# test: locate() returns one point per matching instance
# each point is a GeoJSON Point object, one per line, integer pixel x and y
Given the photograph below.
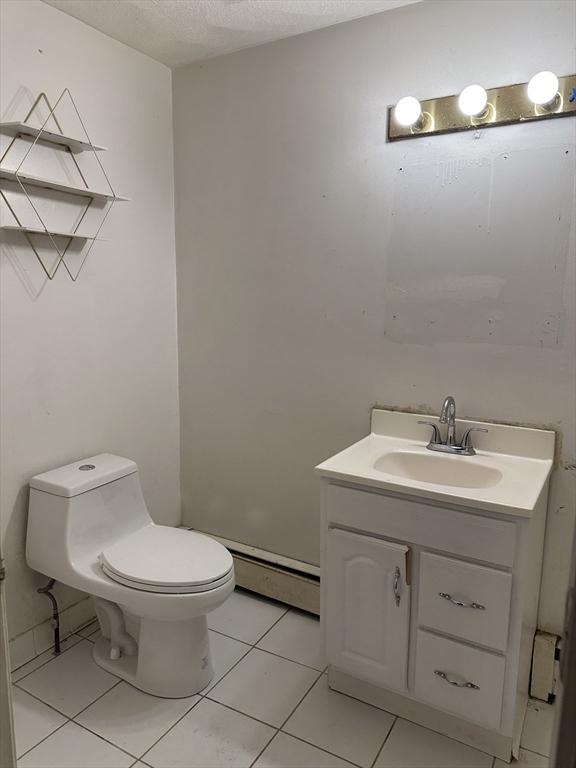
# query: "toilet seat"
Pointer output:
{"type": "Point", "coordinates": [158, 558]}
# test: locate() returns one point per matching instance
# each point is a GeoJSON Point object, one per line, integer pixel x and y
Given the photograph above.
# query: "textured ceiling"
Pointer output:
{"type": "Point", "coordinates": [177, 32]}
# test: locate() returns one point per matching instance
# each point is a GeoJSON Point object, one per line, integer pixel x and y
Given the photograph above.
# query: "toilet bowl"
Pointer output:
{"type": "Point", "coordinates": [153, 585]}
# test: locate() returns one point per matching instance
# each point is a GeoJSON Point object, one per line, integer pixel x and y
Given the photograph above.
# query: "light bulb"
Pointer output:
{"type": "Point", "coordinates": [472, 101]}
{"type": "Point", "coordinates": [407, 111]}
{"type": "Point", "coordinates": [542, 88]}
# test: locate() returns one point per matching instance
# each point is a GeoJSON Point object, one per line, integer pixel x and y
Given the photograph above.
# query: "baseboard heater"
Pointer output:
{"type": "Point", "coordinates": [290, 581]}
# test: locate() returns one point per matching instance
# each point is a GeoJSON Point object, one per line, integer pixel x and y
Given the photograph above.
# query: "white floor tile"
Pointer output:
{"type": "Point", "coordinates": [245, 617]}
{"type": "Point", "coordinates": [33, 721]}
{"type": "Point", "coordinates": [210, 736]}
{"type": "Point", "coordinates": [71, 747]}
{"type": "Point", "coordinates": [525, 760]}
{"type": "Point", "coordinates": [133, 720]}
{"type": "Point", "coordinates": [70, 682]}
{"type": "Point", "coordinates": [339, 724]}
{"type": "Point", "coordinates": [225, 653]}
{"type": "Point", "coordinates": [287, 752]}
{"type": "Point", "coordinates": [264, 686]}
{"type": "Point", "coordinates": [538, 724]}
{"type": "Point", "coordinates": [297, 637]}
{"type": "Point", "coordinates": [39, 661]}
{"type": "Point", "coordinates": [411, 746]}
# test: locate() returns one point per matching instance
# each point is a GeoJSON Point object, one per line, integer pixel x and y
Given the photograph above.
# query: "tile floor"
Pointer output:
{"type": "Point", "coordinates": [268, 706]}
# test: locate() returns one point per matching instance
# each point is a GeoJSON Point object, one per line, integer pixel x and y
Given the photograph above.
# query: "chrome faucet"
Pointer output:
{"type": "Point", "coordinates": [448, 416]}
{"type": "Point", "coordinates": [450, 444]}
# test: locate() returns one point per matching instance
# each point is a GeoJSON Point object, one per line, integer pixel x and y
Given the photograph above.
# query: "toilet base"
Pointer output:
{"type": "Point", "coordinates": [173, 659]}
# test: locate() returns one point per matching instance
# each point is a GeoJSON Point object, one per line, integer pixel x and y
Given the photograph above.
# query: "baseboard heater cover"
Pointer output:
{"type": "Point", "coordinates": [289, 581]}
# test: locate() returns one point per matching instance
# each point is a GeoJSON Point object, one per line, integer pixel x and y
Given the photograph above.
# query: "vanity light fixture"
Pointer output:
{"type": "Point", "coordinates": [546, 97]}
{"type": "Point", "coordinates": [408, 111]}
{"type": "Point", "coordinates": [473, 101]}
{"type": "Point", "coordinates": [543, 89]}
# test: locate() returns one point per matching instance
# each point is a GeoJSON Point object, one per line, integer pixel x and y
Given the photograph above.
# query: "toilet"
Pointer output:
{"type": "Point", "coordinates": [153, 585]}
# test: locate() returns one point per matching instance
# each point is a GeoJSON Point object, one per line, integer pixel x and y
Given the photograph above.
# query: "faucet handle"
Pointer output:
{"type": "Point", "coordinates": [465, 442]}
{"type": "Point", "coordinates": [436, 438]}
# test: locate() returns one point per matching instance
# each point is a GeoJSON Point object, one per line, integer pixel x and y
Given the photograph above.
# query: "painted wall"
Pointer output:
{"type": "Point", "coordinates": [322, 270]}
{"type": "Point", "coordinates": [89, 366]}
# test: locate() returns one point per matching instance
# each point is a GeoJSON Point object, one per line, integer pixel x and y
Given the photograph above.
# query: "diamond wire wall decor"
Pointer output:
{"type": "Point", "coordinates": [73, 146]}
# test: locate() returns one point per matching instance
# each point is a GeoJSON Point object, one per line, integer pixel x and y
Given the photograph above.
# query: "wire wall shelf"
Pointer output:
{"type": "Point", "coordinates": [73, 146]}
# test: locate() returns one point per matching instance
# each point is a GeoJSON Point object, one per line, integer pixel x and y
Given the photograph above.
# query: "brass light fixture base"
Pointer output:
{"type": "Point", "coordinates": [506, 106]}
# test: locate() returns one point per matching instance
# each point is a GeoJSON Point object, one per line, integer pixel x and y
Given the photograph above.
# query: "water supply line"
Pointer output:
{"type": "Point", "coordinates": [55, 615]}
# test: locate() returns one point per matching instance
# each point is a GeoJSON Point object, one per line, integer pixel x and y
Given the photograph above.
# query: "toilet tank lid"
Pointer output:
{"type": "Point", "coordinates": [84, 475]}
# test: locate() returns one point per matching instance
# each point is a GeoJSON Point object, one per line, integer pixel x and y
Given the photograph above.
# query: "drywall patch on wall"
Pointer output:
{"type": "Point", "coordinates": [284, 185]}
{"type": "Point", "coordinates": [470, 240]}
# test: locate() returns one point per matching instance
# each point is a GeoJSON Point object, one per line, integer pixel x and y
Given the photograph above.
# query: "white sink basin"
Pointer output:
{"type": "Point", "coordinates": [507, 474]}
{"type": "Point", "coordinates": [439, 469]}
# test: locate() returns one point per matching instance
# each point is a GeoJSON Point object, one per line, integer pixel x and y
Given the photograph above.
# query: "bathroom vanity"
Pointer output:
{"type": "Point", "coordinates": [431, 575]}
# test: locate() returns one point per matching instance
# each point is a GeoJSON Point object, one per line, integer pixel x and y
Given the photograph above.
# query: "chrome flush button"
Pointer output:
{"type": "Point", "coordinates": [86, 467]}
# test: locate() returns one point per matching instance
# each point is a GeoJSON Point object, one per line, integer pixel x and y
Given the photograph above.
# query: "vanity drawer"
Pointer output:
{"type": "Point", "coordinates": [463, 533]}
{"type": "Point", "coordinates": [466, 600]}
{"type": "Point", "coordinates": [460, 664]}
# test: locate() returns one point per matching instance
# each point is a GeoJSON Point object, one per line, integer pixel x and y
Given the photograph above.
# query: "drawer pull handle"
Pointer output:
{"type": "Point", "coordinates": [458, 683]}
{"type": "Point", "coordinates": [460, 604]}
{"type": "Point", "coordinates": [396, 586]}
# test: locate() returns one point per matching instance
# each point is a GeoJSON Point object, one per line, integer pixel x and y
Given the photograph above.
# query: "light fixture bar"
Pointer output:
{"type": "Point", "coordinates": [507, 105]}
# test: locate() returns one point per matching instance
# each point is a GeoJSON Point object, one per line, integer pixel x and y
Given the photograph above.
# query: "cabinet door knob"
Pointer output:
{"type": "Point", "coordinates": [460, 603]}
{"type": "Point", "coordinates": [396, 586]}
{"type": "Point", "coordinates": [453, 681]}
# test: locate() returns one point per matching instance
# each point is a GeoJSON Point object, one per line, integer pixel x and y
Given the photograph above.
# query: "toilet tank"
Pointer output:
{"type": "Point", "coordinates": [77, 510]}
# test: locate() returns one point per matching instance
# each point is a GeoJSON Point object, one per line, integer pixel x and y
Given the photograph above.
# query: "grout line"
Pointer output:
{"type": "Point", "coordinates": [200, 698]}
{"type": "Point", "coordinates": [322, 749]}
{"type": "Point", "coordinates": [86, 728]}
{"type": "Point", "coordinates": [419, 725]}
{"type": "Point", "coordinates": [230, 637]}
{"type": "Point", "coordinates": [279, 656]}
{"type": "Point", "coordinates": [63, 714]}
{"type": "Point", "coordinates": [533, 751]}
{"type": "Point", "coordinates": [373, 763]}
{"type": "Point", "coordinates": [319, 676]}
{"type": "Point", "coordinates": [50, 706]}
{"type": "Point", "coordinates": [211, 685]}
{"type": "Point", "coordinates": [265, 747]}
{"type": "Point", "coordinates": [246, 642]}
{"type": "Point", "coordinates": [271, 627]}
{"type": "Point", "coordinates": [106, 741]}
{"type": "Point", "coordinates": [252, 645]}
{"type": "Point", "coordinates": [269, 725]}
{"type": "Point", "coordinates": [85, 627]}
{"type": "Point", "coordinates": [19, 757]}
{"type": "Point", "coordinates": [116, 684]}
{"type": "Point", "coordinates": [287, 718]}
{"type": "Point", "coordinates": [52, 658]}
{"type": "Point", "coordinates": [380, 709]}
{"type": "Point", "coordinates": [239, 712]}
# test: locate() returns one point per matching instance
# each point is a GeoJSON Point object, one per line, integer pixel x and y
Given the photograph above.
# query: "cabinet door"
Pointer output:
{"type": "Point", "coordinates": [367, 608]}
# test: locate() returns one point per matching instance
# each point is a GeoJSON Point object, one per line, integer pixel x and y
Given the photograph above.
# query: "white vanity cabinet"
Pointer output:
{"type": "Point", "coordinates": [429, 605]}
{"type": "Point", "coordinates": [366, 572]}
